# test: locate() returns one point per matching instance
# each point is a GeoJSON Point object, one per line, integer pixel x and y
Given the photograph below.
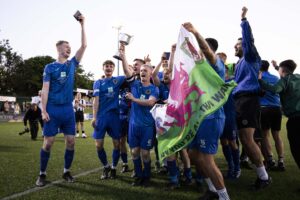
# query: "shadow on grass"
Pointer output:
{"type": "Point", "coordinates": [158, 184]}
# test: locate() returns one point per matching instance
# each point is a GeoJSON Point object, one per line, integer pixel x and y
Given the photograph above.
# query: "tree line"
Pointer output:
{"type": "Point", "coordinates": [19, 77]}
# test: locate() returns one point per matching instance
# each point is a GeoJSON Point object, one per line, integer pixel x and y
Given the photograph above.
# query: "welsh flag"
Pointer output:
{"type": "Point", "coordinates": [196, 91]}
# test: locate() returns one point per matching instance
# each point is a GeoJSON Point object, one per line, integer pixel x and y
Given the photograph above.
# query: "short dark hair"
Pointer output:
{"type": "Point", "coordinates": [140, 60]}
{"type": "Point", "coordinates": [213, 43]}
{"type": "Point", "coordinates": [288, 65]}
{"type": "Point", "coordinates": [264, 66]}
{"type": "Point", "coordinates": [108, 62]}
{"type": "Point", "coordinates": [60, 42]}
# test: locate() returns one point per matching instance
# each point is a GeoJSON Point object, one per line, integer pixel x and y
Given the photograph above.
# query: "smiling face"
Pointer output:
{"type": "Point", "coordinates": [238, 49]}
{"type": "Point", "coordinates": [63, 49]}
{"type": "Point", "coordinates": [108, 70]}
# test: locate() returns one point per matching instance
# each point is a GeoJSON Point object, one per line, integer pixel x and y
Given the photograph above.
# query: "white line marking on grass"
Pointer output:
{"type": "Point", "coordinates": [35, 189]}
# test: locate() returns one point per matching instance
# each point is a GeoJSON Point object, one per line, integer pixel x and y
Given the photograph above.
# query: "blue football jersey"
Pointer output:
{"type": "Point", "coordinates": [219, 67]}
{"type": "Point", "coordinates": [61, 78]}
{"type": "Point", "coordinates": [108, 91]}
{"type": "Point", "coordinates": [124, 103]}
{"type": "Point", "coordinates": [270, 99]}
{"type": "Point", "coordinates": [164, 91]}
{"type": "Point", "coordinates": [140, 115]}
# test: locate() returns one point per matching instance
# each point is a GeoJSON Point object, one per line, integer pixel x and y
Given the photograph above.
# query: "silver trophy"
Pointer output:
{"type": "Point", "coordinates": [124, 39]}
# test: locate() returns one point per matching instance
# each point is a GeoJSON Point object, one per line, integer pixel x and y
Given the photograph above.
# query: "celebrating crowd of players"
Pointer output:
{"type": "Point", "coordinates": [254, 108]}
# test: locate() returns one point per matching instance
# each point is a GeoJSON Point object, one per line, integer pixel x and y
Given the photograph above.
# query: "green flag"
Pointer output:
{"type": "Point", "coordinates": [196, 91]}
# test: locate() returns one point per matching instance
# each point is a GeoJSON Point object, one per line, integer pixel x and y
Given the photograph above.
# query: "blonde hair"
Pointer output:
{"type": "Point", "coordinates": [147, 65]}
{"type": "Point", "coordinates": [60, 42]}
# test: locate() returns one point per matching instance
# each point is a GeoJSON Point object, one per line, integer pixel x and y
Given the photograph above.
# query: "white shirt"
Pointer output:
{"type": "Point", "coordinates": [80, 105]}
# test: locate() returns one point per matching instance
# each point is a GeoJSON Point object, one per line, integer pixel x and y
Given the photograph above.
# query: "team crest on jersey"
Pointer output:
{"type": "Point", "coordinates": [142, 97]}
{"type": "Point", "coordinates": [148, 91]}
{"type": "Point", "coordinates": [63, 74]}
{"type": "Point", "coordinates": [202, 144]}
{"type": "Point", "coordinates": [115, 81]}
{"type": "Point", "coordinates": [110, 89]}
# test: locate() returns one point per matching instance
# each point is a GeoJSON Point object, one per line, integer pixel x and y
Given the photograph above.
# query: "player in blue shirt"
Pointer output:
{"type": "Point", "coordinates": [106, 116]}
{"type": "Point", "coordinates": [57, 108]}
{"type": "Point", "coordinates": [246, 96]}
{"type": "Point", "coordinates": [124, 120]}
{"type": "Point", "coordinates": [205, 144]}
{"type": "Point", "coordinates": [163, 84]}
{"type": "Point", "coordinates": [271, 120]}
{"type": "Point", "coordinates": [143, 96]}
{"type": "Point", "coordinates": [162, 81]}
{"type": "Point", "coordinates": [229, 137]}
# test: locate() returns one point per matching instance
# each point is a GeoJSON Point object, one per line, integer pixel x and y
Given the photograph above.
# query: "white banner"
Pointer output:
{"type": "Point", "coordinates": [7, 98]}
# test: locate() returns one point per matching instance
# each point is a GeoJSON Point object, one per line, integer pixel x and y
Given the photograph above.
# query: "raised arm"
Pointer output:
{"type": "Point", "coordinates": [275, 65]}
{"type": "Point", "coordinates": [207, 51]}
{"type": "Point", "coordinates": [155, 78]}
{"type": "Point", "coordinates": [249, 49]}
{"type": "Point", "coordinates": [171, 63]}
{"type": "Point", "coordinates": [128, 73]}
{"type": "Point", "coordinates": [83, 46]}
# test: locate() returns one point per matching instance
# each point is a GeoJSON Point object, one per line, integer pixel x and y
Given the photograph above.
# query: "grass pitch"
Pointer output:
{"type": "Point", "coordinates": [19, 168]}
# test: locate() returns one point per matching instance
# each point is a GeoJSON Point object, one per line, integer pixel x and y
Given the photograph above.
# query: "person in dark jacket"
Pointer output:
{"type": "Point", "coordinates": [288, 88]}
{"type": "Point", "coordinates": [32, 115]}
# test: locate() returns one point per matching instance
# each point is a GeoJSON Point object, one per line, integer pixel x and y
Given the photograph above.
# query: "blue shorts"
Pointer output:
{"type": "Point", "coordinates": [208, 135]}
{"type": "Point", "coordinates": [140, 136]}
{"type": "Point", "coordinates": [62, 119]}
{"type": "Point", "coordinates": [109, 123]}
{"type": "Point", "coordinates": [230, 130]}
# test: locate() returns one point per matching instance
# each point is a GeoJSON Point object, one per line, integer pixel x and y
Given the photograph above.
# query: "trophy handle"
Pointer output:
{"type": "Point", "coordinates": [124, 42]}
{"type": "Point", "coordinates": [117, 56]}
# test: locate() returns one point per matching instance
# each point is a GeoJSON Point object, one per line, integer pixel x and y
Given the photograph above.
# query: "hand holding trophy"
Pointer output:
{"type": "Point", "coordinates": [124, 39]}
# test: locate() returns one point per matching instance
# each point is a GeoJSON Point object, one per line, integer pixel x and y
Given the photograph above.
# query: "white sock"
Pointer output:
{"type": "Point", "coordinates": [43, 173]}
{"type": "Point", "coordinates": [210, 185]}
{"type": "Point", "coordinates": [113, 167]}
{"type": "Point", "coordinates": [262, 173]}
{"type": "Point", "coordinates": [106, 166]}
{"type": "Point", "coordinates": [66, 170]}
{"type": "Point", "coordinates": [223, 195]}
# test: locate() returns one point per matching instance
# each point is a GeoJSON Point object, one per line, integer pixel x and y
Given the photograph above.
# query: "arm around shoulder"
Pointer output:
{"type": "Point", "coordinates": [277, 88]}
